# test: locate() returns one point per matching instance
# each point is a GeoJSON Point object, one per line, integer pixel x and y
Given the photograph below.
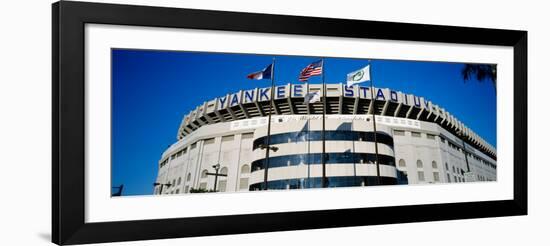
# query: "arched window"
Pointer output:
{"type": "Point", "coordinates": [203, 174]}
{"type": "Point", "coordinates": [434, 164]}
{"type": "Point", "coordinates": [419, 164]}
{"type": "Point", "coordinates": [245, 169]}
{"type": "Point", "coordinates": [189, 177]}
{"type": "Point", "coordinates": [243, 181]}
{"type": "Point", "coordinates": [402, 163]}
{"type": "Point", "coordinates": [223, 170]}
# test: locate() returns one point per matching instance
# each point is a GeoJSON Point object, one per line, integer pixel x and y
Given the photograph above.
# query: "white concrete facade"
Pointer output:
{"type": "Point", "coordinates": [419, 139]}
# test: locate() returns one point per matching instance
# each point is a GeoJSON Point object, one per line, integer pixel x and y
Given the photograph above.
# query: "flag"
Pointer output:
{"type": "Point", "coordinates": [312, 69]}
{"type": "Point", "coordinates": [312, 97]}
{"type": "Point", "coordinates": [359, 76]}
{"type": "Point", "coordinates": [264, 74]}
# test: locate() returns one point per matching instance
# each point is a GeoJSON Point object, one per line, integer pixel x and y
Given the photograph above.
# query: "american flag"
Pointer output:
{"type": "Point", "coordinates": [312, 69]}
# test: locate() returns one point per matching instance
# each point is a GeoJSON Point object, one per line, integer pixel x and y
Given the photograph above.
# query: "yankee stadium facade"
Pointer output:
{"type": "Point", "coordinates": [222, 144]}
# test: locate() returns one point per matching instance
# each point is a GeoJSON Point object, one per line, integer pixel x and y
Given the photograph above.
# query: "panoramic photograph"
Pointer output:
{"type": "Point", "coordinates": [200, 122]}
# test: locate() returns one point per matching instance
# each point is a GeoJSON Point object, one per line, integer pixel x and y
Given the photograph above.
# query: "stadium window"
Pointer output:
{"type": "Point", "coordinates": [398, 133]}
{"type": "Point", "coordinates": [223, 170]}
{"type": "Point", "coordinates": [222, 184]}
{"type": "Point", "coordinates": [420, 176]}
{"type": "Point", "coordinates": [245, 169]}
{"type": "Point", "coordinates": [419, 164]}
{"type": "Point", "coordinates": [402, 163]}
{"type": "Point", "coordinates": [416, 134]}
{"type": "Point", "coordinates": [228, 138]}
{"type": "Point", "coordinates": [209, 141]}
{"type": "Point", "coordinates": [434, 164]}
{"type": "Point", "coordinates": [436, 177]}
{"type": "Point", "coordinates": [189, 177]}
{"type": "Point", "coordinates": [448, 178]}
{"type": "Point", "coordinates": [454, 170]}
{"type": "Point", "coordinates": [446, 166]}
{"type": "Point", "coordinates": [179, 180]}
{"type": "Point", "coordinates": [243, 184]}
{"type": "Point", "coordinates": [203, 174]}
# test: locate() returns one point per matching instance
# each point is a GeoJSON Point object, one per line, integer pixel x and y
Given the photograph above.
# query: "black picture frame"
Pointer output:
{"type": "Point", "coordinates": [68, 122]}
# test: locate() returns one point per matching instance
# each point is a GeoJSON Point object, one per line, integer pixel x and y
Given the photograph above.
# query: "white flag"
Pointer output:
{"type": "Point", "coordinates": [359, 76]}
{"type": "Point", "coordinates": [312, 97]}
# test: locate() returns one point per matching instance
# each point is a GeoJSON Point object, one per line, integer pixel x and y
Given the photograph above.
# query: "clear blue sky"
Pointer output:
{"type": "Point", "coordinates": [153, 90]}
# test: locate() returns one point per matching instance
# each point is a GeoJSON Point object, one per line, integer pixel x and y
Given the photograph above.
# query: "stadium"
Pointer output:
{"type": "Point", "coordinates": [222, 144]}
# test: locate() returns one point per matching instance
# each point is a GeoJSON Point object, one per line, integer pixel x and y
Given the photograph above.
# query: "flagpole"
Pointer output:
{"type": "Point", "coordinates": [308, 145]}
{"type": "Point", "coordinates": [323, 157]}
{"type": "Point", "coordinates": [353, 154]}
{"type": "Point", "coordinates": [373, 99]}
{"type": "Point", "coordinates": [268, 147]}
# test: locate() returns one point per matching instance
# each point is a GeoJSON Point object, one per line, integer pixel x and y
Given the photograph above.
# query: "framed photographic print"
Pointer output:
{"type": "Point", "coordinates": [175, 122]}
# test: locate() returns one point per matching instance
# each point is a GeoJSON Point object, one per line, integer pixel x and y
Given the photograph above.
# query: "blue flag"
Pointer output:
{"type": "Point", "coordinates": [264, 74]}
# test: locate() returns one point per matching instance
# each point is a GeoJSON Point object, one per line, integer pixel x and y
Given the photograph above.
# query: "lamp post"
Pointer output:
{"type": "Point", "coordinates": [267, 148]}
{"type": "Point", "coordinates": [468, 177]}
{"type": "Point", "coordinates": [217, 168]}
{"type": "Point", "coordinates": [161, 186]}
{"type": "Point", "coordinates": [462, 137]}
